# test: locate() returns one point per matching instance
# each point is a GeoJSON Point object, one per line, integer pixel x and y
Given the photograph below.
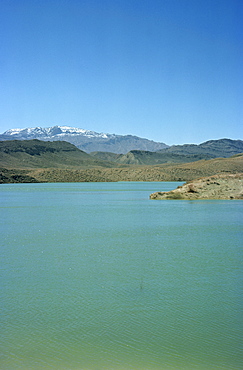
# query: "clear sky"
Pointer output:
{"type": "Point", "coordinates": [167, 70]}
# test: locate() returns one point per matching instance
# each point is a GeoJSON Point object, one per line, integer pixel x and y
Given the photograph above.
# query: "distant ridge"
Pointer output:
{"type": "Point", "coordinates": [214, 148]}
{"type": "Point", "coordinates": [86, 140]}
{"type": "Point", "coordinates": [223, 148]}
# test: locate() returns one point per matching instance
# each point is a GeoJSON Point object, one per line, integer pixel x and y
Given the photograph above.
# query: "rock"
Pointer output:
{"type": "Point", "coordinates": [222, 186]}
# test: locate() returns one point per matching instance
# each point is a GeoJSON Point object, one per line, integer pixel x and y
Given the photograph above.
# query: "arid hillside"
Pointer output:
{"type": "Point", "coordinates": [45, 154]}
{"type": "Point", "coordinates": [175, 172]}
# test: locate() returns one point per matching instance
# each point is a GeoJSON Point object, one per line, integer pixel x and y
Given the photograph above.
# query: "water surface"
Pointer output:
{"type": "Point", "coordinates": [95, 276]}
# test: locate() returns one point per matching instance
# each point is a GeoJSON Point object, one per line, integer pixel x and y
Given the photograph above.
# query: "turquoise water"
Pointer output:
{"type": "Point", "coordinates": [95, 276]}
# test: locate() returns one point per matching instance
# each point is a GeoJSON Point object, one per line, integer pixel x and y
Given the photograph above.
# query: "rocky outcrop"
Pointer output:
{"type": "Point", "coordinates": [222, 186]}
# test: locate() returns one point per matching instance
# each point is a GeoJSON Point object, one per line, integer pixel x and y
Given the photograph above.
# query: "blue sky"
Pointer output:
{"type": "Point", "coordinates": [167, 70]}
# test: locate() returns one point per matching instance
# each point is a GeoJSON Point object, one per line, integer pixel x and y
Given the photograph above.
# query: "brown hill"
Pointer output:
{"type": "Point", "coordinates": [45, 154]}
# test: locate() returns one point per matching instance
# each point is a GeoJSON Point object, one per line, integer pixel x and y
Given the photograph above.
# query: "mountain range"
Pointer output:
{"type": "Point", "coordinates": [86, 140]}
{"type": "Point", "coordinates": [60, 161]}
{"type": "Point", "coordinates": [61, 154]}
{"type": "Point", "coordinates": [40, 161]}
{"type": "Point", "coordinates": [127, 149]}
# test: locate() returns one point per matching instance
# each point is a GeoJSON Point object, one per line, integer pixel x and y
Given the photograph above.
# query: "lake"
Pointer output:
{"type": "Point", "coordinates": [96, 276]}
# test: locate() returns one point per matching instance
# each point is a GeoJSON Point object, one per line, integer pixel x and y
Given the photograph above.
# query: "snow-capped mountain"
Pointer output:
{"type": "Point", "coordinates": [86, 140]}
{"type": "Point", "coordinates": [49, 132]}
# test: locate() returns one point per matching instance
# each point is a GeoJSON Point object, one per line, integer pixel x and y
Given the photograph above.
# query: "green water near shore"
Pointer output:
{"type": "Point", "coordinates": [95, 276]}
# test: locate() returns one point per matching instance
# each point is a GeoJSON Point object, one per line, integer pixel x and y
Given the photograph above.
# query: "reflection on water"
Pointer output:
{"type": "Point", "coordinates": [97, 276]}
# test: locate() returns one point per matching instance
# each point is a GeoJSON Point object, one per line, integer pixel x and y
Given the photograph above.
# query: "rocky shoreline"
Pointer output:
{"type": "Point", "coordinates": [221, 186]}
